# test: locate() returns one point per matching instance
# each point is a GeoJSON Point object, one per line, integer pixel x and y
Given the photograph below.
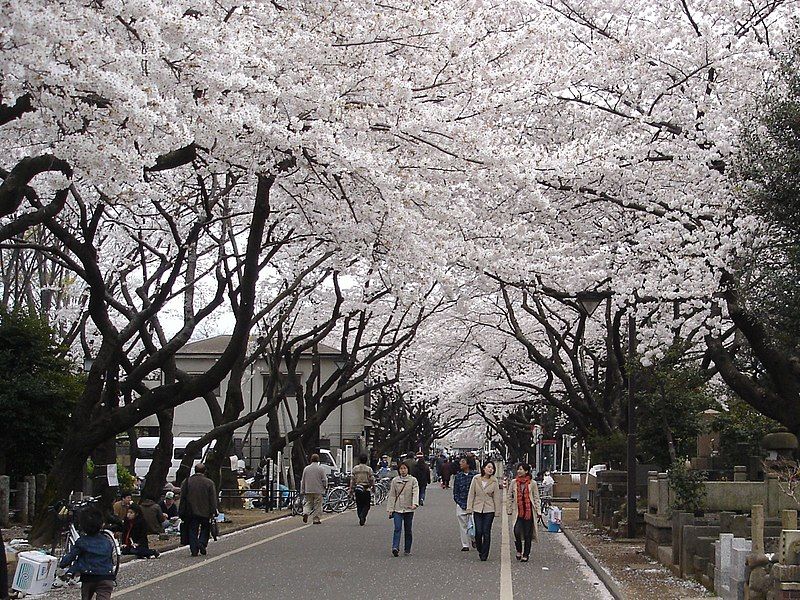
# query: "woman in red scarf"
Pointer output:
{"type": "Point", "coordinates": [524, 504]}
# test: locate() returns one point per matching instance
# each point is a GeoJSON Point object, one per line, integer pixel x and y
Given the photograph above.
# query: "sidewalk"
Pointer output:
{"type": "Point", "coordinates": [637, 575]}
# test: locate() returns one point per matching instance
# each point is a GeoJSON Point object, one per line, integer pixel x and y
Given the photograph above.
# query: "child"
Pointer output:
{"type": "Point", "coordinates": [134, 534]}
{"type": "Point", "coordinates": [93, 557]}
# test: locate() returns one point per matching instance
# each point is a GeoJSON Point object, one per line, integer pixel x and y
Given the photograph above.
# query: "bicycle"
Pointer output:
{"type": "Point", "coordinates": [66, 533]}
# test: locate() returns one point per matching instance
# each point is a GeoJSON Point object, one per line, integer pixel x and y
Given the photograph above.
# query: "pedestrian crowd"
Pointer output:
{"type": "Point", "coordinates": [477, 497]}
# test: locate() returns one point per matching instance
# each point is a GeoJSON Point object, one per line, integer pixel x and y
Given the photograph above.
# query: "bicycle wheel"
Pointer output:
{"type": "Point", "coordinates": [115, 545]}
{"type": "Point", "coordinates": [338, 499]}
{"type": "Point", "coordinates": [297, 505]}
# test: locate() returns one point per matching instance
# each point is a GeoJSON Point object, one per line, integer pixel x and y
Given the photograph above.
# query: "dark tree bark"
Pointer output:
{"type": "Point", "coordinates": [162, 457]}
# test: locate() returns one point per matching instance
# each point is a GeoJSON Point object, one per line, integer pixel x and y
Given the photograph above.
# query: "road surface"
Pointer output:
{"type": "Point", "coordinates": [339, 560]}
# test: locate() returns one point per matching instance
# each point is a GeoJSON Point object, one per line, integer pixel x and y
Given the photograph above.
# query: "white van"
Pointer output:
{"type": "Point", "coordinates": [147, 446]}
{"type": "Point", "coordinates": [327, 462]}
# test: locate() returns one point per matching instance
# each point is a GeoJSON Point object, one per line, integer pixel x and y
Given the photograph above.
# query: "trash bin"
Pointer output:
{"type": "Point", "coordinates": [35, 572]}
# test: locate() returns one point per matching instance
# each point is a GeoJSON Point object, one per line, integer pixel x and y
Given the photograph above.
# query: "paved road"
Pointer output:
{"type": "Point", "coordinates": [340, 560]}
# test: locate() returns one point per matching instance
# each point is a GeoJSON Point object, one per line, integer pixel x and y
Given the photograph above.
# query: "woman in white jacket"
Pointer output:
{"type": "Point", "coordinates": [402, 502]}
{"type": "Point", "coordinates": [483, 503]}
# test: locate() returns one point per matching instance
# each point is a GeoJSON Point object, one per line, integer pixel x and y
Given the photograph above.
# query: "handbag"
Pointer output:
{"type": "Point", "coordinates": [471, 527]}
{"type": "Point", "coordinates": [214, 528]}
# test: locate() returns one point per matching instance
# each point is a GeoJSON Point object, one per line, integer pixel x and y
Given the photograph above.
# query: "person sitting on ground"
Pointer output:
{"type": "Point", "coordinates": [168, 506]}
{"type": "Point", "coordinates": [92, 556]}
{"type": "Point", "coordinates": [134, 534]}
{"type": "Point", "coordinates": [153, 516]}
{"type": "Point", "coordinates": [121, 505]}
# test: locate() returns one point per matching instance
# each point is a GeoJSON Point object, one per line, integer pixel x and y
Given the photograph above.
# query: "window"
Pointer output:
{"type": "Point", "coordinates": [179, 453]}
{"type": "Point", "coordinates": [146, 453]}
{"type": "Point", "coordinates": [326, 459]}
{"type": "Point", "coordinates": [287, 385]}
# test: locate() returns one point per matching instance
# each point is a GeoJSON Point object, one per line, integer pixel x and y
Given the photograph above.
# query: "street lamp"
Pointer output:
{"type": "Point", "coordinates": [589, 301]}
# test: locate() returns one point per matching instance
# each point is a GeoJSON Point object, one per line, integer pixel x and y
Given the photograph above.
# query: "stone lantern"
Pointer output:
{"type": "Point", "coordinates": [780, 446]}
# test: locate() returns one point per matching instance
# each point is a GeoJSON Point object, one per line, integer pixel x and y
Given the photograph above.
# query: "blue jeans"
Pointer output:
{"type": "Point", "coordinates": [402, 521]}
{"type": "Point", "coordinates": [483, 532]}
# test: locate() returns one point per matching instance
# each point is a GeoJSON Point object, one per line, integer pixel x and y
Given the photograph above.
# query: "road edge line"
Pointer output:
{"type": "Point", "coordinates": [595, 565]}
{"type": "Point", "coordinates": [506, 583]}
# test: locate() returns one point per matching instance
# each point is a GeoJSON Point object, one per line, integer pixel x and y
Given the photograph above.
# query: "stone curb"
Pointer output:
{"type": "Point", "coordinates": [599, 570]}
{"type": "Point", "coordinates": [176, 545]}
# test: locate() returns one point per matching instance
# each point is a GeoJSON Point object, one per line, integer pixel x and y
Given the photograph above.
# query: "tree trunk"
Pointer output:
{"type": "Point", "coordinates": [162, 457]}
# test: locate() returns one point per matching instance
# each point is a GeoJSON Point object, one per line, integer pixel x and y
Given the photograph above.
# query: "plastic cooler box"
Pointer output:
{"type": "Point", "coordinates": [35, 572]}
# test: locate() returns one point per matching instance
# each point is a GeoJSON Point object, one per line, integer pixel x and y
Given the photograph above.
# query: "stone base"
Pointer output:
{"type": "Point", "coordinates": [664, 555]}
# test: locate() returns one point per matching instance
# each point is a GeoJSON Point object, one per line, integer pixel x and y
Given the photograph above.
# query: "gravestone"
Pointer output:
{"type": "Point", "coordinates": [740, 549]}
{"type": "Point", "coordinates": [722, 564]}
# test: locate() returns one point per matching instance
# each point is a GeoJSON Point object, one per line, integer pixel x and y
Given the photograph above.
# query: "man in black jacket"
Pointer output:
{"type": "Point", "coordinates": [198, 505]}
{"type": "Point", "coordinates": [423, 474]}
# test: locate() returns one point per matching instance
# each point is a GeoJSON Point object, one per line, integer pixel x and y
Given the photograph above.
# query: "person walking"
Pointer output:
{"type": "Point", "coordinates": [313, 485]}
{"type": "Point", "coordinates": [92, 556]}
{"type": "Point", "coordinates": [524, 505]}
{"type": "Point", "coordinates": [422, 473]}
{"type": "Point", "coordinates": [461, 483]}
{"type": "Point", "coordinates": [198, 504]}
{"type": "Point", "coordinates": [401, 503]}
{"type": "Point", "coordinates": [362, 481]}
{"type": "Point", "coordinates": [444, 472]}
{"type": "Point", "coordinates": [483, 503]}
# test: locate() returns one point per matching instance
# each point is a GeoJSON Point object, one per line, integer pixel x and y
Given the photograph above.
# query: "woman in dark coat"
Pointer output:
{"type": "Point", "coordinates": [134, 534]}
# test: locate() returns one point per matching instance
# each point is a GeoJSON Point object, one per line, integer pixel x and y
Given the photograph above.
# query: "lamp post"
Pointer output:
{"type": "Point", "coordinates": [589, 301]}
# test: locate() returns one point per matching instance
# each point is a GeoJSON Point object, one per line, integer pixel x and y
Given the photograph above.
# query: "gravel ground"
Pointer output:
{"type": "Point", "coordinates": [638, 576]}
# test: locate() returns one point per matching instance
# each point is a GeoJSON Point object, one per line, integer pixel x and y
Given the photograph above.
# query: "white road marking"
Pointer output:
{"type": "Point", "coordinates": [506, 587]}
{"type": "Point", "coordinates": [202, 563]}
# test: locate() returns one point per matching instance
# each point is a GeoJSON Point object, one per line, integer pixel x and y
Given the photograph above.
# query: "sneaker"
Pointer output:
{"type": "Point", "coordinates": [395, 552]}
{"type": "Point", "coordinates": [317, 522]}
{"type": "Point", "coordinates": [407, 553]}
{"type": "Point", "coordinates": [465, 549]}
{"type": "Point", "coordinates": [203, 550]}
{"type": "Point", "coordinates": [305, 518]}
{"type": "Point", "coordinates": [156, 555]}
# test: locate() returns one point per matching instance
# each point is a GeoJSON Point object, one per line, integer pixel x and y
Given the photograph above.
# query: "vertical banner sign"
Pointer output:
{"type": "Point", "coordinates": [339, 459]}
{"type": "Point", "coordinates": [348, 458]}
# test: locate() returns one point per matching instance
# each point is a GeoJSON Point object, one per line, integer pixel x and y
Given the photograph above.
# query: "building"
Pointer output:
{"type": "Point", "coordinates": [346, 425]}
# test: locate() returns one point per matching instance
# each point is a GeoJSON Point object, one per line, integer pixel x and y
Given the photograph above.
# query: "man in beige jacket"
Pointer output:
{"type": "Point", "coordinates": [313, 486]}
